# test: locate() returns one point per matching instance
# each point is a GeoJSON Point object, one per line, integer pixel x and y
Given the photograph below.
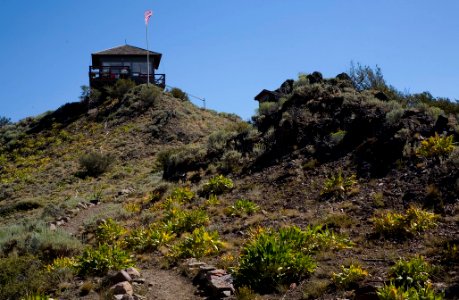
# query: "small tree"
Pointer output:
{"type": "Point", "coordinates": [95, 164]}
{"type": "Point", "coordinates": [364, 77]}
{"type": "Point", "coordinates": [179, 94]}
{"type": "Point", "coordinates": [4, 121]}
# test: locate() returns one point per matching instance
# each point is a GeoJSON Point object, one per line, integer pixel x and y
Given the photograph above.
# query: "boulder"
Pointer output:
{"type": "Point", "coordinates": [120, 277]}
{"type": "Point", "coordinates": [122, 288]}
{"type": "Point", "coordinates": [367, 292]}
{"type": "Point", "coordinates": [133, 272]}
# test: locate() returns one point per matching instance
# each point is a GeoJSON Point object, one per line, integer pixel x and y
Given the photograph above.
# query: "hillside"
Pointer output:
{"type": "Point", "coordinates": [339, 188]}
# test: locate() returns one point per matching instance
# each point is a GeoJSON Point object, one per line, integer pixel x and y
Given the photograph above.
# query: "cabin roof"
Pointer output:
{"type": "Point", "coordinates": [267, 95]}
{"type": "Point", "coordinates": [128, 50]}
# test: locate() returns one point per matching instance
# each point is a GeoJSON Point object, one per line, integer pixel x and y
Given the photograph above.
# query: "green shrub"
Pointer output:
{"type": "Point", "coordinates": [20, 276]}
{"type": "Point", "coordinates": [338, 184]}
{"type": "Point", "coordinates": [198, 244]}
{"type": "Point", "coordinates": [337, 137]}
{"type": "Point", "coordinates": [177, 161]}
{"type": "Point", "coordinates": [23, 205]}
{"type": "Point", "coordinates": [109, 232]}
{"type": "Point", "coordinates": [149, 94]}
{"type": "Point", "coordinates": [242, 207]}
{"type": "Point", "coordinates": [410, 273]}
{"type": "Point", "coordinates": [120, 88]}
{"type": "Point", "coordinates": [349, 276]}
{"type": "Point", "coordinates": [436, 146]}
{"type": "Point", "coordinates": [394, 116]}
{"type": "Point", "coordinates": [231, 161]}
{"type": "Point", "coordinates": [182, 195]}
{"type": "Point", "coordinates": [179, 220]}
{"type": "Point", "coordinates": [392, 292]}
{"type": "Point", "coordinates": [268, 108]}
{"type": "Point", "coordinates": [401, 225]}
{"type": "Point", "coordinates": [271, 258]}
{"type": "Point", "coordinates": [149, 239]}
{"type": "Point", "coordinates": [38, 240]}
{"type": "Point", "coordinates": [95, 164]}
{"type": "Point", "coordinates": [218, 141]}
{"type": "Point", "coordinates": [217, 185]}
{"type": "Point", "coordinates": [62, 263]}
{"type": "Point", "coordinates": [100, 260]}
{"type": "Point", "coordinates": [4, 121]}
{"type": "Point", "coordinates": [179, 94]}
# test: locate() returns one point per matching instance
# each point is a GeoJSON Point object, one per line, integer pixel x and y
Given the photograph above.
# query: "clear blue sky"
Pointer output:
{"type": "Point", "coordinates": [225, 51]}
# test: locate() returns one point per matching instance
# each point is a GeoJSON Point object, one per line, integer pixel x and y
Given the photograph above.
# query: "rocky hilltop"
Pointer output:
{"type": "Point", "coordinates": [338, 188]}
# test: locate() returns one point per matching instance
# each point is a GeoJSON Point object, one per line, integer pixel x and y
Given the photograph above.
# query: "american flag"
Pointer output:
{"type": "Point", "coordinates": [148, 14]}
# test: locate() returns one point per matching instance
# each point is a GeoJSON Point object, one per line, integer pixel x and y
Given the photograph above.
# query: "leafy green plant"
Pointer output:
{"type": "Point", "coordinates": [270, 258]}
{"type": "Point", "coordinates": [411, 273]}
{"type": "Point", "coordinates": [179, 220]}
{"type": "Point", "coordinates": [182, 195]}
{"type": "Point", "coordinates": [436, 146]}
{"type": "Point", "coordinates": [149, 239]}
{"type": "Point", "coordinates": [95, 164]}
{"type": "Point", "coordinates": [62, 263]}
{"type": "Point", "coordinates": [121, 87]}
{"type": "Point", "coordinates": [197, 244]}
{"type": "Point", "coordinates": [400, 225]}
{"type": "Point", "coordinates": [20, 276]}
{"type": "Point", "coordinates": [242, 207]}
{"type": "Point", "coordinates": [409, 279]}
{"type": "Point", "coordinates": [109, 232]}
{"type": "Point", "coordinates": [100, 260]}
{"type": "Point", "coordinates": [338, 184]}
{"type": "Point", "coordinates": [392, 292]}
{"type": "Point", "coordinates": [337, 137]}
{"type": "Point", "coordinates": [349, 276]}
{"type": "Point", "coordinates": [217, 185]}
{"type": "Point", "coordinates": [179, 94]}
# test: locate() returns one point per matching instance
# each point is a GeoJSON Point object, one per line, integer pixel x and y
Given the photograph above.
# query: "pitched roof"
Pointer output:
{"type": "Point", "coordinates": [125, 50]}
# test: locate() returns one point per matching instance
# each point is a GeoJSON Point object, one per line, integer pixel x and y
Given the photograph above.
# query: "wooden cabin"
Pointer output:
{"type": "Point", "coordinates": [124, 62]}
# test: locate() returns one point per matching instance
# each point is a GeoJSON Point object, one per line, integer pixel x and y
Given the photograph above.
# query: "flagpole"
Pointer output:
{"type": "Point", "coordinates": [148, 54]}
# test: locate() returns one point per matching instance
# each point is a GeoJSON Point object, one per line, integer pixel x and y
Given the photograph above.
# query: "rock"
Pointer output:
{"type": "Point", "coordinates": [206, 268]}
{"type": "Point", "coordinates": [52, 227]}
{"type": "Point", "coordinates": [122, 288]}
{"type": "Point", "coordinates": [125, 192]}
{"type": "Point", "coordinates": [367, 292]}
{"type": "Point", "coordinates": [139, 280]}
{"type": "Point", "coordinates": [218, 282]}
{"type": "Point", "coordinates": [133, 272]}
{"type": "Point", "coordinates": [344, 77]}
{"type": "Point", "coordinates": [120, 277]}
{"type": "Point", "coordinates": [381, 96]}
{"type": "Point", "coordinates": [315, 77]}
{"type": "Point", "coordinates": [194, 263]}
{"type": "Point", "coordinates": [81, 205]}
{"type": "Point", "coordinates": [60, 223]}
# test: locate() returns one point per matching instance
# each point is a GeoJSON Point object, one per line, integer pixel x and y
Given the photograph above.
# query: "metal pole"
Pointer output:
{"type": "Point", "coordinates": [148, 55]}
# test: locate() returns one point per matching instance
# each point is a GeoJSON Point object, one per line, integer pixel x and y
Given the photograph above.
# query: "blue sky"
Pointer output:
{"type": "Point", "coordinates": [225, 51]}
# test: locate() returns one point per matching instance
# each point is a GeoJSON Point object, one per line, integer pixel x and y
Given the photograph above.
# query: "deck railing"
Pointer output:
{"type": "Point", "coordinates": [108, 75]}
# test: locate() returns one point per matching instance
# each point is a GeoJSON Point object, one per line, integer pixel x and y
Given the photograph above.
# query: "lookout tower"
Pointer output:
{"type": "Point", "coordinates": [124, 62]}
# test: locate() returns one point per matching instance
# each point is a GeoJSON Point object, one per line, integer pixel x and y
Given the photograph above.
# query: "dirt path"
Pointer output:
{"type": "Point", "coordinates": [159, 284]}
{"type": "Point", "coordinates": [167, 285]}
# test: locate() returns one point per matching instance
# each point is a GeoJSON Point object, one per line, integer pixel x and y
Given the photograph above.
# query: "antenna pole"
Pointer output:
{"type": "Point", "coordinates": [148, 55]}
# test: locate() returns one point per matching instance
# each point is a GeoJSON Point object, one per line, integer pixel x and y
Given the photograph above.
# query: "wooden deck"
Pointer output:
{"type": "Point", "coordinates": [103, 76]}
